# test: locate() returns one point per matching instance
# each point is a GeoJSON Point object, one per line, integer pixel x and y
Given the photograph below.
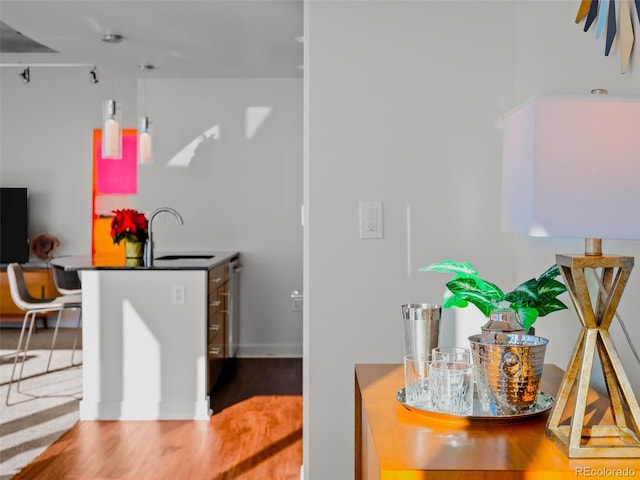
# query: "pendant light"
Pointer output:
{"type": "Point", "coordinates": [145, 127]}
{"type": "Point", "coordinates": [111, 117]}
{"type": "Point", "coordinates": [145, 136]}
{"type": "Point", "coordinates": [111, 130]}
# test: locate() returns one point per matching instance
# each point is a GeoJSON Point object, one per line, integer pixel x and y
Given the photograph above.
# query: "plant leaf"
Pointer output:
{"type": "Point", "coordinates": [478, 292]}
{"type": "Point", "coordinates": [548, 288]}
{"type": "Point", "coordinates": [450, 300]}
{"type": "Point", "coordinates": [527, 317]}
{"type": "Point", "coordinates": [460, 269]}
{"type": "Point", "coordinates": [549, 306]}
{"type": "Point", "coordinates": [526, 293]}
{"type": "Point", "coordinates": [552, 272]}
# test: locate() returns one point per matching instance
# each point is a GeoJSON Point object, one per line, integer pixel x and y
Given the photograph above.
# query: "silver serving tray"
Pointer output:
{"type": "Point", "coordinates": [543, 403]}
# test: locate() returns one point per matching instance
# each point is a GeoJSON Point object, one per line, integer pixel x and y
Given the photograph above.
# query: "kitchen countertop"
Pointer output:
{"type": "Point", "coordinates": [116, 262]}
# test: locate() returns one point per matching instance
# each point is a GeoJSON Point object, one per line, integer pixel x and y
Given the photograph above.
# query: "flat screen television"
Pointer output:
{"type": "Point", "coordinates": [14, 224]}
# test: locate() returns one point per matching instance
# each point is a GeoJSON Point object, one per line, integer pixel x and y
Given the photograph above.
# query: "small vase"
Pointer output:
{"type": "Point", "coordinates": [133, 249]}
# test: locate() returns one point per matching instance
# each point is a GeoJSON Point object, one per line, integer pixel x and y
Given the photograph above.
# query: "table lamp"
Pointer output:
{"type": "Point", "coordinates": [571, 168]}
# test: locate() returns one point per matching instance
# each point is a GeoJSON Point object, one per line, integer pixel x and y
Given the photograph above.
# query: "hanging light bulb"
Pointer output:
{"type": "Point", "coordinates": [145, 130]}
{"type": "Point", "coordinates": [111, 130]}
{"type": "Point", "coordinates": [145, 137]}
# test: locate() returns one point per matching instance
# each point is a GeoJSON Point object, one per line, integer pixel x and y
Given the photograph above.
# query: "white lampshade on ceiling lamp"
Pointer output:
{"type": "Point", "coordinates": [111, 130]}
{"type": "Point", "coordinates": [145, 142]}
{"type": "Point", "coordinates": [145, 126]}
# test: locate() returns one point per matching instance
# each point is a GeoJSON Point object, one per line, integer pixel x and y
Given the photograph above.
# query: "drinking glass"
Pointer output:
{"type": "Point", "coordinates": [451, 386]}
{"type": "Point", "coordinates": [452, 354]}
{"type": "Point", "coordinates": [416, 380]}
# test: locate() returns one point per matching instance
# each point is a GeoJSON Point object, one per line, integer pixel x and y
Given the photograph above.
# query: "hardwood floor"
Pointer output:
{"type": "Point", "coordinates": [254, 433]}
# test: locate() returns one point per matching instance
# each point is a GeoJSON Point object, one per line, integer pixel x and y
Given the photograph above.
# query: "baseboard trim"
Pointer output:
{"type": "Point", "coordinates": [273, 350]}
{"type": "Point", "coordinates": [131, 410]}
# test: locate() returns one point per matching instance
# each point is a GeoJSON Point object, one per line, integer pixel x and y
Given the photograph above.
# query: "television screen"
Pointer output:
{"type": "Point", "coordinates": [14, 224]}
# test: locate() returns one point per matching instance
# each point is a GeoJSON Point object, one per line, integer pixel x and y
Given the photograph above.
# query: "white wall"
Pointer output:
{"type": "Point", "coordinates": [238, 193]}
{"type": "Point", "coordinates": [403, 104]}
{"type": "Point", "coordinates": [241, 190]}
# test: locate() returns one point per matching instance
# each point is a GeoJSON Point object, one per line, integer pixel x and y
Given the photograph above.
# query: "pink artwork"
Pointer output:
{"type": "Point", "coordinates": [117, 176]}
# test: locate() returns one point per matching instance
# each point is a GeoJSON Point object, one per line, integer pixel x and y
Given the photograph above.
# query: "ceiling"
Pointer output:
{"type": "Point", "coordinates": [180, 38]}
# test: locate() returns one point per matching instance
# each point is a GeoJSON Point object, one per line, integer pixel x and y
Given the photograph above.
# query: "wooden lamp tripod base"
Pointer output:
{"type": "Point", "coordinates": [622, 438]}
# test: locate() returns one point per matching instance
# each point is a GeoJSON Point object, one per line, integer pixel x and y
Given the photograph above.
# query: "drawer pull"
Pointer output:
{"type": "Point", "coordinates": [214, 328]}
{"type": "Point", "coordinates": [214, 351]}
{"type": "Point", "coordinates": [216, 280]}
{"type": "Point", "coordinates": [224, 293]}
{"type": "Point", "coordinates": [216, 303]}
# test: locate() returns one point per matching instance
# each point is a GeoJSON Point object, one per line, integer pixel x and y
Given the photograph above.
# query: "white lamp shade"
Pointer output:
{"type": "Point", "coordinates": [571, 167]}
{"type": "Point", "coordinates": [145, 142]}
{"type": "Point", "coordinates": [111, 130]}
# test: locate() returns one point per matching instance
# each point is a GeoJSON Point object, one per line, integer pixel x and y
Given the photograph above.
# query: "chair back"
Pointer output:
{"type": "Point", "coordinates": [67, 282]}
{"type": "Point", "coordinates": [18, 288]}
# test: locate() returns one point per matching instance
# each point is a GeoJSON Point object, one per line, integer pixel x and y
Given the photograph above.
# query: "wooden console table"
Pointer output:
{"type": "Point", "coordinates": [394, 443]}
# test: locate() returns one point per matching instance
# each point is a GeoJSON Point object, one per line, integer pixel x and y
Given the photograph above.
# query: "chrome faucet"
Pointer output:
{"type": "Point", "coordinates": [148, 251]}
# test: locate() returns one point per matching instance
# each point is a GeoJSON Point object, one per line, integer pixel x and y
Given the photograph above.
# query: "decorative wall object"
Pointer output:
{"type": "Point", "coordinates": [603, 13]}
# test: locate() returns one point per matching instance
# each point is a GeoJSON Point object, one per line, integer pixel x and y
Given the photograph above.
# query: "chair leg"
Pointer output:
{"type": "Point", "coordinates": [18, 350]}
{"type": "Point", "coordinates": [53, 341]}
{"type": "Point", "coordinates": [32, 326]}
{"type": "Point", "coordinates": [75, 339]}
{"type": "Point", "coordinates": [21, 350]}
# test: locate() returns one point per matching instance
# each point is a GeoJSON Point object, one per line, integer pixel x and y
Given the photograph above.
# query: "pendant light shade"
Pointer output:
{"type": "Point", "coordinates": [111, 130]}
{"type": "Point", "coordinates": [145, 137]}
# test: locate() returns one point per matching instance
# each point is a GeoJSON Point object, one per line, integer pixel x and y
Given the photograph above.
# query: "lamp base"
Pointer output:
{"type": "Point", "coordinates": [580, 439]}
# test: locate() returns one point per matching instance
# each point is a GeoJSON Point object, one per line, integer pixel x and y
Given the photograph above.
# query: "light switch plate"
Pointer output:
{"type": "Point", "coordinates": [371, 219]}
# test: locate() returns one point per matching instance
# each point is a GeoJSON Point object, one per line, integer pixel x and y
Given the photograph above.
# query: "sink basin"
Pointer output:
{"type": "Point", "coordinates": [185, 257]}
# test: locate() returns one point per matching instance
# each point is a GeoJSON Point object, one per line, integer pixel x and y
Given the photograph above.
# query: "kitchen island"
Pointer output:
{"type": "Point", "coordinates": [151, 343]}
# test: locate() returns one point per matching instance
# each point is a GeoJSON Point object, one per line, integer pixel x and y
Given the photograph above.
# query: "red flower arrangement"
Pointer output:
{"type": "Point", "coordinates": [129, 224]}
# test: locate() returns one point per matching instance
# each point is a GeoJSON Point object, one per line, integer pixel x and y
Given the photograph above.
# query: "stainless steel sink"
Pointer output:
{"type": "Point", "coordinates": [185, 257]}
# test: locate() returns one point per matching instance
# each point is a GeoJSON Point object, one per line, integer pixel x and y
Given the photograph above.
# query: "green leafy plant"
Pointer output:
{"type": "Point", "coordinates": [532, 299]}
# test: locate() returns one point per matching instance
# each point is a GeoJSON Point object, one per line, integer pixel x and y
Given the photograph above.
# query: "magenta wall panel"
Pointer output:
{"type": "Point", "coordinates": [118, 176]}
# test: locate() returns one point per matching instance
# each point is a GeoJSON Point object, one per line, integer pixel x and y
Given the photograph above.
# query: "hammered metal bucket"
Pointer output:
{"type": "Point", "coordinates": [508, 369]}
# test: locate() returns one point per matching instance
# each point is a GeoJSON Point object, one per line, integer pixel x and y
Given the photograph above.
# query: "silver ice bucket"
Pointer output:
{"type": "Point", "coordinates": [508, 369]}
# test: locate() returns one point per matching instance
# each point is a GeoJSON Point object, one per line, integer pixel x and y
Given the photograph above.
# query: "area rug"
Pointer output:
{"type": "Point", "coordinates": [47, 405]}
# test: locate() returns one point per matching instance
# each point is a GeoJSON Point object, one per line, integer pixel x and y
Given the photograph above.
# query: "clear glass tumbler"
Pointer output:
{"type": "Point", "coordinates": [452, 354]}
{"type": "Point", "coordinates": [451, 386]}
{"type": "Point", "coordinates": [416, 380]}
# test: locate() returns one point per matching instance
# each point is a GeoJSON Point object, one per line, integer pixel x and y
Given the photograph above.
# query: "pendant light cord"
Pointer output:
{"type": "Point", "coordinates": [604, 292]}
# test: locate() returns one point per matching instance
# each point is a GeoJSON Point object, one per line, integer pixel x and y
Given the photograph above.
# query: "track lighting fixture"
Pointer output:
{"type": "Point", "coordinates": [25, 75]}
{"type": "Point", "coordinates": [93, 75]}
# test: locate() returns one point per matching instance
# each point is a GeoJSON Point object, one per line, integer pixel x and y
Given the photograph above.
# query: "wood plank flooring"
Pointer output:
{"type": "Point", "coordinates": [255, 433]}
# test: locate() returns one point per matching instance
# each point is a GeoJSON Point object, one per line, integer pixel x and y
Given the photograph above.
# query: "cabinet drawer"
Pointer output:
{"type": "Point", "coordinates": [216, 304]}
{"type": "Point", "coordinates": [215, 333]}
{"type": "Point", "coordinates": [215, 350]}
{"type": "Point", "coordinates": [218, 277]}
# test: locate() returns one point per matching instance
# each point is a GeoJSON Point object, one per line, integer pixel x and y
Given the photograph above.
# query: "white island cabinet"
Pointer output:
{"type": "Point", "coordinates": [145, 339]}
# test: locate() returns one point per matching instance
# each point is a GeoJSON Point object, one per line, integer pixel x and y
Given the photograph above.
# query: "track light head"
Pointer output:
{"type": "Point", "coordinates": [93, 75]}
{"type": "Point", "coordinates": [25, 75]}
